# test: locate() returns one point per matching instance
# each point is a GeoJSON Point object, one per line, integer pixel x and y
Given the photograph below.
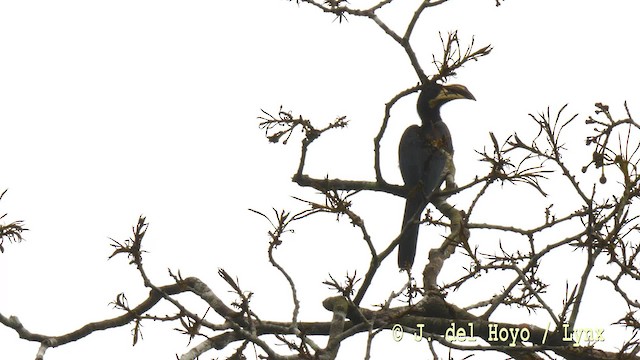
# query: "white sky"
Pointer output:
{"type": "Point", "coordinates": [110, 110]}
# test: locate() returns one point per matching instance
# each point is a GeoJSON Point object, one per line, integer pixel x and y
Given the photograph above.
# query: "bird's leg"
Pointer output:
{"type": "Point", "coordinates": [449, 179]}
{"type": "Point", "coordinates": [449, 171]}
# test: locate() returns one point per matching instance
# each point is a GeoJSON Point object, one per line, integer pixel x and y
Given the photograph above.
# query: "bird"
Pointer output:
{"type": "Point", "coordinates": [423, 154]}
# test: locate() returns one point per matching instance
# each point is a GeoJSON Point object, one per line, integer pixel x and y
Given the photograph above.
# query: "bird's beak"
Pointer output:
{"type": "Point", "coordinates": [452, 92]}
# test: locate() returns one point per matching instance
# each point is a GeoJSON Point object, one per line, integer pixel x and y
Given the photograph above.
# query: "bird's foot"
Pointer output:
{"type": "Point", "coordinates": [450, 183]}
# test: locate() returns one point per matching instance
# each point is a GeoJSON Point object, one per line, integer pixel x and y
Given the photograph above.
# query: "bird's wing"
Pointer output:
{"type": "Point", "coordinates": [411, 156]}
{"type": "Point", "coordinates": [422, 157]}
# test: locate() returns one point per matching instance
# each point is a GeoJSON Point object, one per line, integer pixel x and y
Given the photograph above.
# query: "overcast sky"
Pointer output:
{"type": "Point", "coordinates": [109, 110]}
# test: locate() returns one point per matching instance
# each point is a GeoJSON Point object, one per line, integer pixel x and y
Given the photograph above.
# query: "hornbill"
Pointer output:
{"type": "Point", "coordinates": [423, 155]}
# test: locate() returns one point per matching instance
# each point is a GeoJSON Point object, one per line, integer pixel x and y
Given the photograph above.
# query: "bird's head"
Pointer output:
{"type": "Point", "coordinates": [434, 95]}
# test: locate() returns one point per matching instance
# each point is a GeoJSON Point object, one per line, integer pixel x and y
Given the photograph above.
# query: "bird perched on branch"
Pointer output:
{"type": "Point", "coordinates": [425, 157]}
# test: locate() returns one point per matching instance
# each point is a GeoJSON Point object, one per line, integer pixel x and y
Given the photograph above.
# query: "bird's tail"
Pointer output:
{"type": "Point", "coordinates": [409, 237]}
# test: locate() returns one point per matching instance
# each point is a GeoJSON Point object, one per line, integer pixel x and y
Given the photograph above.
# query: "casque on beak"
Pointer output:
{"type": "Point", "coordinates": [454, 91]}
